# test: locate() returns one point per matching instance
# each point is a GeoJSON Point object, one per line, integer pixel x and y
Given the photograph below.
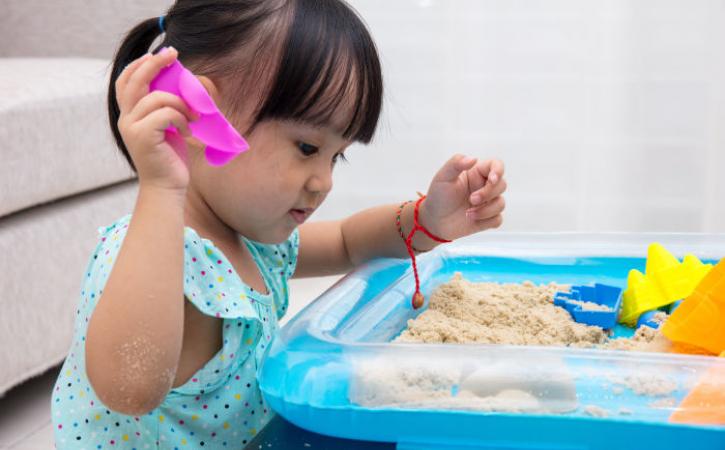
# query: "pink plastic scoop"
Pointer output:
{"type": "Point", "coordinates": [222, 141]}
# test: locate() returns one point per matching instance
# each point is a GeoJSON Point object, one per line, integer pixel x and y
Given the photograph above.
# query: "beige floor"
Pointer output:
{"type": "Point", "coordinates": [25, 410]}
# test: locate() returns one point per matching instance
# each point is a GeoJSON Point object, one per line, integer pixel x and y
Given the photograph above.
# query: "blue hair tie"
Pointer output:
{"type": "Point", "coordinates": [161, 23]}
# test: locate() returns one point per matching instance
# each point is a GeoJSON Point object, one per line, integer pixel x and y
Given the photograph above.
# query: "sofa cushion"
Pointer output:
{"type": "Point", "coordinates": [54, 131]}
{"type": "Point", "coordinates": [81, 28]}
{"type": "Point", "coordinates": [45, 251]}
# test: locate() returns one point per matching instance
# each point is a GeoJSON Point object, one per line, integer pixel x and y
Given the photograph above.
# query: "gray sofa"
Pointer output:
{"type": "Point", "coordinates": [61, 176]}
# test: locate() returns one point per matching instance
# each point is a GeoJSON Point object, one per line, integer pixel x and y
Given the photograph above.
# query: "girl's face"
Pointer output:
{"type": "Point", "coordinates": [267, 191]}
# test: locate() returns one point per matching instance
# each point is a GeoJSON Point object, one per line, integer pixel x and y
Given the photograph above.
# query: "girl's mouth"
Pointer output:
{"type": "Point", "coordinates": [300, 215]}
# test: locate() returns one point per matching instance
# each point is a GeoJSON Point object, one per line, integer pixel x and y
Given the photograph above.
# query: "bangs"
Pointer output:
{"type": "Point", "coordinates": [328, 72]}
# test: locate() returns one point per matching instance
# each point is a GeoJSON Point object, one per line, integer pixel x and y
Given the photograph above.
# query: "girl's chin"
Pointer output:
{"type": "Point", "coordinates": [276, 235]}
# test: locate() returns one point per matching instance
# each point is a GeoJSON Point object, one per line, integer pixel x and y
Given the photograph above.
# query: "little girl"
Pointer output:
{"type": "Point", "coordinates": [182, 298]}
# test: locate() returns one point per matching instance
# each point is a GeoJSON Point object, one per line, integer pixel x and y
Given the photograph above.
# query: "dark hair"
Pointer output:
{"type": "Point", "coordinates": [308, 56]}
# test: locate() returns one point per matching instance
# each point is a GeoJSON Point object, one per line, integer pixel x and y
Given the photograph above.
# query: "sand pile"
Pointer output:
{"type": "Point", "coordinates": [517, 314]}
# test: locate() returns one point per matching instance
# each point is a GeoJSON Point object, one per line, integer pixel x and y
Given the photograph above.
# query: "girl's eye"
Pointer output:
{"type": "Point", "coordinates": [307, 149]}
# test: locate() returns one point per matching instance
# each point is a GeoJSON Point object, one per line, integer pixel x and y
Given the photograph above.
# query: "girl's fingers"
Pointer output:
{"type": "Point", "coordinates": [122, 79]}
{"type": "Point", "coordinates": [484, 173]}
{"type": "Point", "coordinates": [487, 224]}
{"type": "Point", "coordinates": [177, 142]}
{"type": "Point", "coordinates": [452, 169]}
{"type": "Point", "coordinates": [474, 176]}
{"type": "Point", "coordinates": [491, 209]}
{"type": "Point", "coordinates": [138, 82]}
{"type": "Point", "coordinates": [162, 118]}
{"type": "Point", "coordinates": [495, 171]}
{"type": "Point", "coordinates": [159, 99]}
{"type": "Point", "coordinates": [487, 192]}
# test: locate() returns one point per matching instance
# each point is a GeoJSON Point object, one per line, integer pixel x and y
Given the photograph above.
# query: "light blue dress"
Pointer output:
{"type": "Point", "coordinates": [220, 406]}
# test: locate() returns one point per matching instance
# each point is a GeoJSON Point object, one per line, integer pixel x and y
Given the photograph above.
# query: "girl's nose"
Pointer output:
{"type": "Point", "coordinates": [320, 182]}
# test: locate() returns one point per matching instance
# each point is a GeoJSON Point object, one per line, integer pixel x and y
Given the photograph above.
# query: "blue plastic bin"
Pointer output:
{"type": "Point", "coordinates": [334, 370]}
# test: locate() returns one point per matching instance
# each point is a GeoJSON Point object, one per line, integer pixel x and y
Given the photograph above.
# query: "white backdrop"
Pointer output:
{"type": "Point", "coordinates": [609, 115]}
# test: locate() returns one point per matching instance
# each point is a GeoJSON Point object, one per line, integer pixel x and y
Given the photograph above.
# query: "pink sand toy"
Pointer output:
{"type": "Point", "coordinates": [222, 141]}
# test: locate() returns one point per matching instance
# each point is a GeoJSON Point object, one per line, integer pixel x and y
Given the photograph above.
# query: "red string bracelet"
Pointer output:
{"type": "Point", "coordinates": [418, 298]}
{"type": "Point", "coordinates": [399, 225]}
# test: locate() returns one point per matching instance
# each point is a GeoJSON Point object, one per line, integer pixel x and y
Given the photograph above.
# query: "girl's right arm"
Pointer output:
{"type": "Point", "coordinates": [135, 334]}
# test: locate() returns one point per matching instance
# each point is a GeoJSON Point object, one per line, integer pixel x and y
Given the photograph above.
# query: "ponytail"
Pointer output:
{"type": "Point", "coordinates": [134, 45]}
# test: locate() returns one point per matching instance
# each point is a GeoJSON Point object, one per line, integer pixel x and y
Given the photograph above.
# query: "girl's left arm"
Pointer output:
{"type": "Point", "coordinates": [464, 197]}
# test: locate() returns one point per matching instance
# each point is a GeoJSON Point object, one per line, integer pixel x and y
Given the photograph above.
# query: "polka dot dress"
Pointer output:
{"type": "Point", "coordinates": [221, 406]}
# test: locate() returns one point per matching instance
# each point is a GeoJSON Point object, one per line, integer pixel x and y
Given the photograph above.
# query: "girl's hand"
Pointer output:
{"type": "Point", "coordinates": [465, 197]}
{"type": "Point", "coordinates": [159, 156]}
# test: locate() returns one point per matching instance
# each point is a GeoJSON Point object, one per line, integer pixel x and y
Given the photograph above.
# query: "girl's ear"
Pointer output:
{"type": "Point", "coordinates": [210, 87]}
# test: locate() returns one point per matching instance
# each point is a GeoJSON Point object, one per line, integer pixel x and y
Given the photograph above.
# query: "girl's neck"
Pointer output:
{"type": "Point", "coordinates": [199, 216]}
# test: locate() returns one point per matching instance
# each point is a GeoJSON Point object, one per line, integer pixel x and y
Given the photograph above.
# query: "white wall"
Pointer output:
{"type": "Point", "coordinates": [609, 115]}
